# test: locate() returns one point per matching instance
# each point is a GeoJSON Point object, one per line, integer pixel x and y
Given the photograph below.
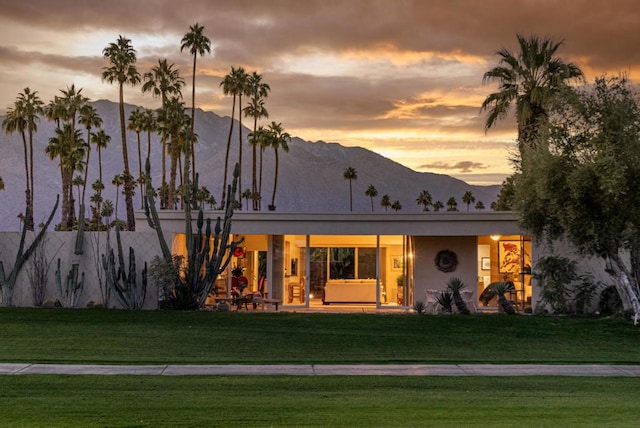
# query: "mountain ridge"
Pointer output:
{"type": "Point", "coordinates": [310, 175]}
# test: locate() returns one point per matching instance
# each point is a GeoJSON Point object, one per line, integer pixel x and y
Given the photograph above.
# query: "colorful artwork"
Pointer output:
{"type": "Point", "coordinates": [510, 254]}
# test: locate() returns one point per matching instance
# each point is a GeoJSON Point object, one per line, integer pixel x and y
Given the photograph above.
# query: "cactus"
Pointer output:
{"type": "Point", "coordinates": [204, 261]}
{"type": "Point", "coordinates": [70, 293]}
{"type": "Point", "coordinates": [8, 282]}
{"type": "Point", "coordinates": [124, 281]}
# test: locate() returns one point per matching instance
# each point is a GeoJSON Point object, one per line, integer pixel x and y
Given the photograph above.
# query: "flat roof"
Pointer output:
{"type": "Point", "coordinates": [416, 224]}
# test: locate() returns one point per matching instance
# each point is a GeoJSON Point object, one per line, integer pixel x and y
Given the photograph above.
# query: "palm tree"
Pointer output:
{"type": "Point", "coordinates": [118, 180]}
{"type": "Point", "coordinates": [452, 204]}
{"type": "Point", "coordinates": [424, 199]}
{"type": "Point", "coordinates": [73, 102]}
{"type": "Point", "coordinates": [136, 124]}
{"type": "Point", "coordinates": [455, 285]}
{"type": "Point", "coordinates": [371, 192]}
{"type": "Point", "coordinates": [246, 195]}
{"type": "Point", "coordinates": [396, 206]}
{"type": "Point", "coordinates": [437, 206]}
{"type": "Point", "coordinates": [198, 44]}
{"type": "Point", "coordinates": [23, 118]}
{"type": "Point", "coordinates": [256, 109]}
{"type": "Point", "coordinates": [122, 58]}
{"type": "Point", "coordinates": [89, 118]}
{"type": "Point", "coordinates": [101, 140]}
{"type": "Point", "coordinates": [243, 89]}
{"type": "Point", "coordinates": [350, 174]}
{"type": "Point", "coordinates": [163, 81]}
{"type": "Point", "coordinates": [468, 198]}
{"type": "Point", "coordinates": [68, 146]}
{"type": "Point", "coordinates": [479, 206]}
{"type": "Point", "coordinates": [531, 78]}
{"type": "Point", "coordinates": [385, 202]}
{"type": "Point", "coordinates": [230, 86]}
{"type": "Point", "coordinates": [279, 140]}
{"type": "Point", "coordinates": [149, 125]}
{"type": "Point", "coordinates": [1, 184]}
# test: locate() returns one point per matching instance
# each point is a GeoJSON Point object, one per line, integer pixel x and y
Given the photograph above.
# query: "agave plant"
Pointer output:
{"type": "Point", "coordinates": [455, 285]}
{"type": "Point", "coordinates": [420, 307]}
{"type": "Point", "coordinates": [502, 288]}
{"type": "Point", "coordinates": [445, 299]}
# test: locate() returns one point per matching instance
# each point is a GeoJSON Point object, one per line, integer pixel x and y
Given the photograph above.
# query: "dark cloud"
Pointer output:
{"type": "Point", "coordinates": [460, 167]}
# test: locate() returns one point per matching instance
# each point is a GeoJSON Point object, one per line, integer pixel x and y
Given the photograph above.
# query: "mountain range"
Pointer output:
{"type": "Point", "coordinates": [310, 177]}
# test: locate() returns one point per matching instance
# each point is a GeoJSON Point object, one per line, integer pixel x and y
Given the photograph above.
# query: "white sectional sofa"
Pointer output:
{"type": "Point", "coordinates": [350, 291]}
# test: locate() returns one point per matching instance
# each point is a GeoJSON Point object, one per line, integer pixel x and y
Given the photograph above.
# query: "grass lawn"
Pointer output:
{"type": "Point", "coordinates": [166, 337]}
{"type": "Point", "coordinates": [144, 401]}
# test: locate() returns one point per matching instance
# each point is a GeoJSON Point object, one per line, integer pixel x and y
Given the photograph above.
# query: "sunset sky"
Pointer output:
{"type": "Point", "coordinates": [402, 78]}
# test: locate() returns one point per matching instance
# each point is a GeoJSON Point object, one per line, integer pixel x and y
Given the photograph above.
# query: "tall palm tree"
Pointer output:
{"type": "Point", "coordinates": [258, 91]}
{"type": "Point", "coordinates": [350, 174]}
{"type": "Point", "coordinates": [424, 199]}
{"type": "Point", "coordinates": [163, 81]}
{"type": "Point", "coordinates": [23, 118]}
{"type": "Point", "coordinates": [371, 192]}
{"type": "Point", "coordinates": [230, 86]}
{"type": "Point", "coordinates": [73, 101]}
{"type": "Point", "coordinates": [118, 180]}
{"type": "Point", "coordinates": [279, 140]}
{"type": "Point", "coordinates": [149, 125]}
{"type": "Point", "coordinates": [452, 204]}
{"type": "Point", "coordinates": [67, 145]}
{"type": "Point", "coordinates": [242, 90]}
{"type": "Point", "coordinates": [89, 118]}
{"type": "Point", "coordinates": [122, 57]}
{"type": "Point", "coordinates": [530, 78]}
{"type": "Point", "coordinates": [468, 198]}
{"type": "Point", "coordinates": [136, 124]}
{"type": "Point", "coordinates": [385, 201]}
{"type": "Point", "coordinates": [198, 44]}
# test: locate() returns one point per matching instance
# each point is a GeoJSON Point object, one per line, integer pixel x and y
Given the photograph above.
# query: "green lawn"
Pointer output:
{"type": "Point", "coordinates": [340, 401]}
{"type": "Point", "coordinates": [159, 337]}
{"type": "Point", "coordinates": [123, 337]}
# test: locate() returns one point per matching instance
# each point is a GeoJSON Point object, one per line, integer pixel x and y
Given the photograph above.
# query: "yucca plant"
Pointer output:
{"type": "Point", "coordinates": [455, 285]}
{"type": "Point", "coordinates": [420, 307]}
{"type": "Point", "coordinates": [502, 288]}
{"type": "Point", "coordinates": [445, 299]}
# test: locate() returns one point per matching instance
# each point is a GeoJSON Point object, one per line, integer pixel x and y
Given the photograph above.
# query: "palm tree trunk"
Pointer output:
{"type": "Point", "coordinates": [30, 223]}
{"type": "Point", "coordinates": [226, 158]}
{"type": "Point", "coordinates": [254, 182]}
{"type": "Point", "coordinates": [27, 193]}
{"type": "Point", "coordinates": [86, 174]}
{"type": "Point", "coordinates": [163, 186]}
{"type": "Point", "coordinates": [192, 141]}
{"type": "Point", "coordinates": [171, 200]}
{"type": "Point", "coordinates": [350, 197]}
{"type": "Point", "coordinates": [139, 172]}
{"type": "Point", "coordinates": [260, 180]}
{"type": "Point", "coordinates": [272, 207]}
{"type": "Point", "coordinates": [240, 148]}
{"type": "Point", "coordinates": [128, 185]}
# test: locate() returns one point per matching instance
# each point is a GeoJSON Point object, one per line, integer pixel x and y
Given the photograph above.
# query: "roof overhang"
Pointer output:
{"type": "Point", "coordinates": [416, 224]}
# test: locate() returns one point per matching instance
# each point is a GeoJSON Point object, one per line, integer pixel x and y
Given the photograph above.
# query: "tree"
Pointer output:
{"type": "Point", "coordinates": [385, 202]}
{"type": "Point", "coordinates": [506, 201]}
{"type": "Point", "coordinates": [67, 145]}
{"type": "Point", "coordinates": [122, 58]}
{"type": "Point", "coordinates": [468, 198]}
{"type": "Point", "coordinates": [350, 174]}
{"type": "Point", "coordinates": [136, 124]}
{"type": "Point", "coordinates": [24, 117]}
{"type": "Point", "coordinates": [437, 206]}
{"type": "Point", "coordinates": [118, 180]}
{"type": "Point", "coordinates": [231, 85]}
{"type": "Point", "coordinates": [278, 140]}
{"type": "Point", "coordinates": [258, 91]}
{"type": "Point", "coordinates": [581, 182]}
{"type": "Point", "coordinates": [246, 195]}
{"type": "Point", "coordinates": [531, 78]}
{"type": "Point", "coordinates": [163, 81]}
{"type": "Point", "coordinates": [479, 206]}
{"type": "Point", "coordinates": [89, 118]}
{"type": "Point", "coordinates": [396, 206]}
{"type": "Point", "coordinates": [198, 44]}
{"type": "Point", "coordinates": [371, 192]}
{"type": "Point", "coordinates": [452, 204]}
{"type": "Point", "coordinates": [424, 199]}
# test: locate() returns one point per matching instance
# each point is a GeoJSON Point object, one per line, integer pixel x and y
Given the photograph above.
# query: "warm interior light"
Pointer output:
{"type": "Point", "coordinates": [495, 237]}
